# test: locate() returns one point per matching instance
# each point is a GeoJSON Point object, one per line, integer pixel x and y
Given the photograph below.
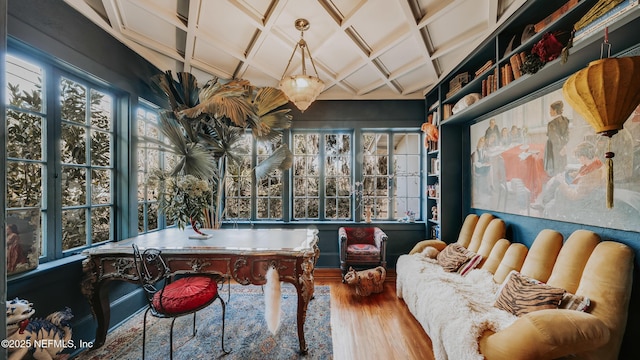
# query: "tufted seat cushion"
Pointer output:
{"type": "Point", "coordinates": [364, 252]}
{"type": "Point", "coordinates": [185, 295]}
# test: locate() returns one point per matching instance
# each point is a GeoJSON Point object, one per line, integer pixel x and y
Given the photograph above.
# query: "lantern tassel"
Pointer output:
{"type": "Point", "coordinates": [609, 183]}
{"type": "Point", "coordinates": [609, 156]}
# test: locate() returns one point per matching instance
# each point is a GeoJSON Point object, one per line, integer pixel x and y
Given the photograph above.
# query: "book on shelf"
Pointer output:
{"type": "Point", "coordinates": [447, 110]}
{"type": "Point", "coordinates": [555, 15]}
{"type": "Point", "coordinates": [605, 20]}
{"type": "Point", "coordinates": [509, 76]}
{"type": "Point", "coordinates": [484, 68]}
{"type": "Point", "coordinates": [459, 80]}
{"type": "Point", "coordinates": [516, 63]}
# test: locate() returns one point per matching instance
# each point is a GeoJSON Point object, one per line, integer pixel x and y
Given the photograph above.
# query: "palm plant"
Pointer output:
{"type": "Point", "coordinates": [205, 125]}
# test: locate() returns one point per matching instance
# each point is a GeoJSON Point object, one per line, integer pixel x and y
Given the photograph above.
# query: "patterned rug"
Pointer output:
{"type": "Point", "coordinates": [246, 332]}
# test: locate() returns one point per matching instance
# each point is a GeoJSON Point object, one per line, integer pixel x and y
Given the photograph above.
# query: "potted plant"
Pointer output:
{"type": "Point", "coordinates": [184, 199]}
{"type": "Point", "coordinates": [205, 125]}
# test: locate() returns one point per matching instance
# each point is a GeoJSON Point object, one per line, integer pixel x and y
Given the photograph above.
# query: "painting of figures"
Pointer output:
{"type": "Point", "coordinates": [542, 159]}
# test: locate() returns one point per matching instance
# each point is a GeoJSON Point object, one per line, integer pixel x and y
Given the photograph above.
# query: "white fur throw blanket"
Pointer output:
{"type": "Point", "coordinates": [272, 290]}
{"type": "Point", "coordinates": [453, 310]}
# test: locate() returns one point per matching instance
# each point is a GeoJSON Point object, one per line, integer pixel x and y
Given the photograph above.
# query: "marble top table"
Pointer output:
{"type": "Point", "coordinates": [242, 254]}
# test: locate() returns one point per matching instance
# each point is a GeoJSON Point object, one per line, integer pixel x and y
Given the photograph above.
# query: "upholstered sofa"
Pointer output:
{"type": "Point", "coordinates": [583, 265]}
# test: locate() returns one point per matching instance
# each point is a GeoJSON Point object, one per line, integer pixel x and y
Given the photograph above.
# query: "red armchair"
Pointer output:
{"type": "Point", "coordinates": [362, 246]}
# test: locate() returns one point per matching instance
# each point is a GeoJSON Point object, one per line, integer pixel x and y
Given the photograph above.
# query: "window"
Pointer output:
{"type": "Point", "coordinates": [391, 167]}
{"type": "Point", "coordinates": [150, 159]}
{"type": "Point", "coordinates": [322, 164]}
{"type": "Point", "coordinates": [60, 156]}
{"type": "Point", "coordinates": [239, 184]}
{"type": "Point", "coordinates": [326, 185]}
{"type": "Point", "coordinates": [407, 168]}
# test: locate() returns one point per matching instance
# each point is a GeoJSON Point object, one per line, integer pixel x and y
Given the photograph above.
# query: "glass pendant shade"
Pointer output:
{"type": "Point", "coordinates": [301, 90]}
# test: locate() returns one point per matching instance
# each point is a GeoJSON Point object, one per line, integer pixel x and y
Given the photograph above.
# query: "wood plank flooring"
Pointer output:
{"type": "Point", "coordinates": [376, 327]}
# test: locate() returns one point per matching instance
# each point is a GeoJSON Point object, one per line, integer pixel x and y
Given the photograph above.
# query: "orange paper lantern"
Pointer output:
{"type": "Point", "coordinates": [605, 93]}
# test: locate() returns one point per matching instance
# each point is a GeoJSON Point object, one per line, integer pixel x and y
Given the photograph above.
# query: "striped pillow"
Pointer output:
{"type": "Point", "coordinates": [520, 295]}
{"type": "Point", "coordinates": [453, 256]}
{"type": "Point", "coordinates": [470, 264]}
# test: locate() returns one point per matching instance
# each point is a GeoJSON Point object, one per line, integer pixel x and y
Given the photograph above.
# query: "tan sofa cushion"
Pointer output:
{"type": "Point", "coordinates": [542, 255]}
{"type": "Point", "coordinates": [466, 231]}
{"type": "Point", "coordinates": [494, 232]}
{"type": "Point", "coordinates": [572, 258]}
{"type": "Point", "coordinates": [478, 232]}
{"type": "Point", "coordinates": [495, 257]}
{"type": "Point", "coordinates": [512, 260]}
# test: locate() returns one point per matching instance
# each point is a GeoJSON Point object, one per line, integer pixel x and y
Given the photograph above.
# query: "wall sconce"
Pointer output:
{"type": "Point", "coordinates": [302, 89]}
{"type": "Point", "coordinates": [605, 93]}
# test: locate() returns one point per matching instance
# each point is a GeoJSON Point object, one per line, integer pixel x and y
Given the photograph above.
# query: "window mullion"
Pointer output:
{"type": "Point", "coordinates": [357, 173]}
{"type": "Point", "coordinates": [321, 176]}
{"type": "Point", "coordinates": [53, 188]}
{"type": "Point", "coordinates": [391, 175]}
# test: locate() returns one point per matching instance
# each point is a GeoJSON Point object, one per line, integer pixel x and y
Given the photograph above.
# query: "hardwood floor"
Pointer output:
{"type": "Point", "coordinates": [375, 327]}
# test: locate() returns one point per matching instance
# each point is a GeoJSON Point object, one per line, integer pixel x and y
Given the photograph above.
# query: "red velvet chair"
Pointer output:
{"type": "Point", "coordinates": [171, 299]}
{"type": "Point", "coordinates": [362, 247]}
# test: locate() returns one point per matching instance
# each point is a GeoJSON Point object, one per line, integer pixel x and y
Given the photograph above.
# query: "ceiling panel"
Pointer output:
{"type": "Point", "coordinates": [363, 49]}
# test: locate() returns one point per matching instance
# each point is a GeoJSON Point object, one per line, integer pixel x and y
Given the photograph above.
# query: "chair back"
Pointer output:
{"type": "Point", "coordinates": [151, 269]}
{"type": "Point", "coordinates": [360, 235]}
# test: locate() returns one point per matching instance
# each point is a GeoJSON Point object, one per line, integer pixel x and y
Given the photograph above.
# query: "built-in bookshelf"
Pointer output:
{"type": "Point", "coordinates": [491, 71]}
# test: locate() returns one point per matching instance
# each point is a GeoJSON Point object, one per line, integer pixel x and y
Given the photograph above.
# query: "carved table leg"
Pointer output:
{"type": "Point", "coordinates": [102, 310]}
{"type": "Point", "coordinates": [305, 289]}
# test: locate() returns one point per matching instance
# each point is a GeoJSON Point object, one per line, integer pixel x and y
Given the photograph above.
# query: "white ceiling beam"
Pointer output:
{"type": "Point", "coordinates": [407, 68]}
{"type": "Point", "coordinates": [435, 14]}
{"type": "Point", "coordinates": [192, 28]}
{"type": "Point", "coordinates": [268, 26]}
{"type": "Point", "coordinates": [256, 17]}
{"type": "Point", "coordinates": [492, 12]}
{"type": "Point", "coordinates": [153, 45]}
{"type": "Point", "coordinates": [417, 35]}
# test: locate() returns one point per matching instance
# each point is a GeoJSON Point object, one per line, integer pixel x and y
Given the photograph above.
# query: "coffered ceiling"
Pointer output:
{"type": "Point", "coordinates": [363, 49]}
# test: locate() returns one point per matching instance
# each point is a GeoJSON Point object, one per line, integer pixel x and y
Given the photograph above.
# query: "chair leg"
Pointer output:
{"type": "Point", "coordinates": [173, 320]}
{"type": "Point", "coordinates": [193, 332]}
{"type": "Point", "coordinates": [144, 330]}
{"type": "Point", "coordinates": [223, 317]}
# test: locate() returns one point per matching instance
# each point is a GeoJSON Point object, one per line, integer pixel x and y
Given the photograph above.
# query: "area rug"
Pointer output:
{"type": "Point", "coordinates": [246, 332]}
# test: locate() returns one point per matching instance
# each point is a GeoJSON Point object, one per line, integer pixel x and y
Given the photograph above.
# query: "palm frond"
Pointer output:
{"type": "Point", "coordinates": [173, 132]}
{"type": "Point", "coordinates": [181, 94]}
{"type": "Point", "coordinates": [269, 126]}
{"type": "Point", "coordinates": [224, 101]}
{"type": "Point", "coordinates": [199, 162]}
{"type": "Point", "coordinates": [281, 158]}
{"type": "Point", "coordinates": [267, 99]}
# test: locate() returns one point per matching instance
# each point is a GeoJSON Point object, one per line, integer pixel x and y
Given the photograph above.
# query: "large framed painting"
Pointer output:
{"type": "Point", "coordinates": [542, 159]}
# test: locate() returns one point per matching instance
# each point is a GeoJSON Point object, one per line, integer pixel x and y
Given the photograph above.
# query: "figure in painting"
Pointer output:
{"type": "Point", "coordinates": [482, 174]}
{"type": "Point", "coordinates": [505, 139]}
{"type": "Point", "coordinates": [492, 133]}
{"type": "Point", "coordinates": [568, 187]}
{"type": "Point", "coordinates": [15, 253]}
{"type": "Point", "coordinates": [555, 153]}
{"type": "Point", "coordinates": [515, 135]}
